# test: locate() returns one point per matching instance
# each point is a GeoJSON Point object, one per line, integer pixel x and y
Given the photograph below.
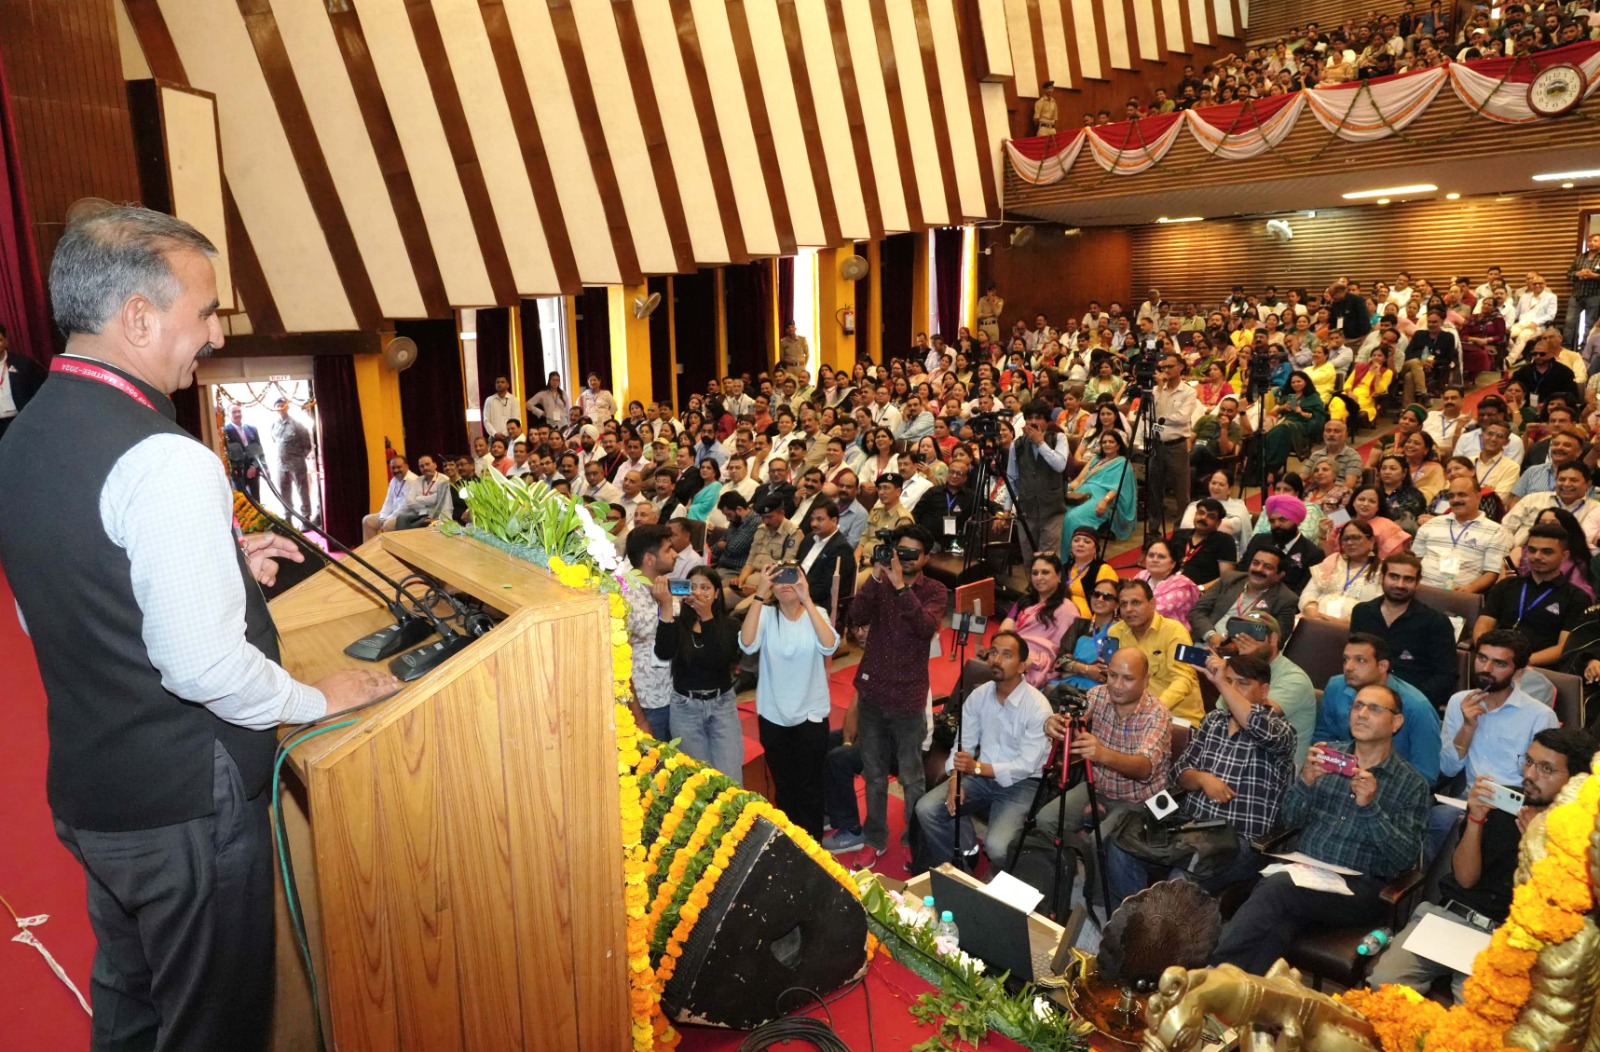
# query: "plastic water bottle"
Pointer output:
{"type": "Point", "coordinates": [1374, 941]}
{"type": "Point", "coordinates": [947, 929]}
{"type": "Point", "coordinates": [928, 915]}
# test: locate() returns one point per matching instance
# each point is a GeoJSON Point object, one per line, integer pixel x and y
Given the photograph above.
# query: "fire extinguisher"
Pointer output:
{"type": "Point", "coordinates": [847, 321]}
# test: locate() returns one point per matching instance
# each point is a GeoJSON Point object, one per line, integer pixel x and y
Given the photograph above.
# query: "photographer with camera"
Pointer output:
{"type": "Point", "coordinates": [1235, 769]}
{"type": "Point", "coordinates": [1358, 804]}
{"type": "Point", "coordinates": [1175, 405]}
{"type": "Point", "coordinates": [887, 515]}
{"type": "Point", "coordinates": [899, 610]}
{"type": "Point", "coordinates": [1037, 467]}
{"type": "Point", "coordinates": [1124, 731]}
{"type": "Point", "coordinates": [1003, 750]}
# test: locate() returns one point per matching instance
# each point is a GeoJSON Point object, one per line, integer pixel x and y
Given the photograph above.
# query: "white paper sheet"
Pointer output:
{"type": "Point", "coordinates": [1314, 878]}
{"type": "Point", "coordinates": [1013, 892]}
{"type": "Point", "coordinates": [1316, 863]}
{"type": "Point", "coordinates": [1451, 943]}
{"type": "Point", "coordinates": [1453, 801]}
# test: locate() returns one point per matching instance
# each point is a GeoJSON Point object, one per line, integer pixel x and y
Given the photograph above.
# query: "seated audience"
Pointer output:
{"type": "Point", "coordinates": [1285, 514]}
{"type": "Point", "coordinates": [1172, 681]}
{"type": "Point", "coordinates": [1204, 551]}
{"type": "Point", "coordinates": [1366, 662]}
{"type": "Point", "coordinates": [1542, 605]}
{"type": "Point", "coordinates": [1241, 592]}
{"type": "Point", "coordinates": [1042, 617]}
{"type": "Point", "coordinates": [1350, 577]}
{"type": "Point", "coordinates": [1422, 643]}
{"type": "Point", "coordinates": [1463, 551]}
{"type": "Point", "coordinates": [1175, 594]}
{"type": "Point", "coordinates": [1003, 750]}
{"type": "Point", "coordinates": [1235, 769]}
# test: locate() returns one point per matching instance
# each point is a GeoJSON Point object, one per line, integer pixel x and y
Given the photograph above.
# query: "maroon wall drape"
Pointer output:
{"type": "Point", "coordinates": [342, 446]}
{"type": "Point", "coordinates": [189, 411]}
{"type": "Point", "coordinates": [432, 391]}
{"type": "Point", "coordinates": [947, 280]}
{"type": "Point", "coordinates": [786, 306]}
{"type": "Point", "coordinates": [747, 304]}
{"type": "Point", "coordinates": [534, 376]}
{"type": "Point", "coordinates": [660, 344]}
{"type": "Point", "coordinates": [23, 308]}
{"type": "Point", "coordinates": [593, 338]}
{"type": "Point", "coordinates": [897, 256]}
{"type": "Point", "coordinates": [494, 349]}
{"type": "Point", "coordinates": [863, 307]}
{"type": "Point", "coordinates": [695, 319]}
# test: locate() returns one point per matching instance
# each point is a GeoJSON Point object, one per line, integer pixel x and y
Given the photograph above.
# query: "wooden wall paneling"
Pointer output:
{"type": "Point", "coordinates": [1271, 19]}
{"type": "Point", "coordinates": [74, 133]}
{"type": "Point", "coordinates": [414, 879]}
{"type": "Point", "coordinates": [1057, 276]}
{"type": "Point", "coordinates": [1432, 239]}
{"type": "Point", "coordinates": [360, 986]}
{"type": "Point", "coordinates": [478, 861]}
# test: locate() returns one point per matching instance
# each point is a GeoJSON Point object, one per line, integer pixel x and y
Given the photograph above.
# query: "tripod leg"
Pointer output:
{"type": "Point", "coordinates": [1099, 845]}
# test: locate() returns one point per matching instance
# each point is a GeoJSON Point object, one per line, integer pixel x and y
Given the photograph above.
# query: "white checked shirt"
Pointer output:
{"type": "Point", "coordinates": [185, 575]}
{"type": "Point", "coordinates": [1455, 553]}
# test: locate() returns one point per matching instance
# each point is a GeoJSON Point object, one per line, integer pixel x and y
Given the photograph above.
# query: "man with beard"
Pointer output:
{"type": "Point", "coordinates": [1487, 729]}
{"type": "Point", "coordinates": [1242, 592]}
{"type": "Point", "coordinates": [1366, 661]}
{"type": "Point", "coordinates": [950, 507]}
{"type": "Point", "coordinates": [1002, 721]}
{"type": "Point", "coordinates": [1478, 889]}
{"type": "Point", "coordinates": [1204, 552]}
{"type": "Point", "coordinates": [1285, 512]}
{"type": "Point", "coordinates": [1420, 638]}
{"type": "Point", "coordinates": [1543, 605]}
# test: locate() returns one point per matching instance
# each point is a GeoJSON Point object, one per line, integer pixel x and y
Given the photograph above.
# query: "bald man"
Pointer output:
{"type": "Point", "coordinates": [1128, 739]}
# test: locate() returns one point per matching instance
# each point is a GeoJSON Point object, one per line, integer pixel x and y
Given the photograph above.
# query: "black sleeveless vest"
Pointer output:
{"type": "Point", "coordinates": [124, 752]}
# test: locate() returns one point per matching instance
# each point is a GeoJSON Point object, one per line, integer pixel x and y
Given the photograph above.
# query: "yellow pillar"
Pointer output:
{"type": "Point", "coordinates": [378, 391]}
{"type": "Point", "coordinates": [722, 323]}
{"type": "Point", "coordinates": [919, 291]}
{"type": "Point", "coordinates": [630, 346]}
{"type": "Point", "coordinates": [874, 301]}
{"type": "Point", "coordinates": [519, 382]}
{"type": "Point", "coordinates": [575, 380]}
{"type": "Point", "coordinates": [835, 295]}
{"type": "Point", "coordinates": [969, 280]}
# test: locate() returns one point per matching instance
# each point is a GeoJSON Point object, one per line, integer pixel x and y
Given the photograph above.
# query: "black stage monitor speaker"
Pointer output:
{"type": "Point", "coordinates": [775, 920]}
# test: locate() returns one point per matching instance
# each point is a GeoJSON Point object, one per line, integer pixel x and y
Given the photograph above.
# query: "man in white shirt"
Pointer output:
{"type": "Point", "coordinates": [394, 498]}
{"type": "Point", "coordinates": [595, 486]}
{"type": "Point", "coordinates": [1491, 409]}
{"type": "Point", "coordinates": [1175, 412]}
{"type": "Point", "coordinates": [1447, 423]}
{"type": "Point", "coordinates": [633, 452]}
{"type": "Point", "coordinates": [1571, 493]}
{"type": "Point", "coordinates": [916, 483]}
{"type": "Point", "coordinates": [482, 461]}
{"type": "Point", "coordinates": [1462, 551]}
{"type": "Point", "coordinates": [1536, 308]}
{"type": "Point", "coordinates": [686, 557]}
{"type": "Point", "coordinates": [428, 499]}
{"type": "Point", "coordinates": [884, 414]}
{"type": "Point", "coordinates": [498, 408]}
{"type": "Point", "coordinates": [734, 400]}
{"type": "Point", "coordinates": [632, 494]}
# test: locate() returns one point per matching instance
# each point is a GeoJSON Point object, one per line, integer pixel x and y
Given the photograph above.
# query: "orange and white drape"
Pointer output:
{"type": "Point", "coordinates": [1359, 111]}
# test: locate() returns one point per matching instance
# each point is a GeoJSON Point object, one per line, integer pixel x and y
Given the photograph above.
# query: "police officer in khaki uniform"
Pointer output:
{"type": "Point", "coordinates": [1044, 111]}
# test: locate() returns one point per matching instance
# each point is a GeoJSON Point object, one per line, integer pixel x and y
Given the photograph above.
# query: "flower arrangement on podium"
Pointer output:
{"type": "Point", "coordinates": [682, 821]}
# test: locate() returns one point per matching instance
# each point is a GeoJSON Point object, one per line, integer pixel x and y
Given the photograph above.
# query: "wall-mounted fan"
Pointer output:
{"type": "Point", "coordinates": [644, 306]}
{"type": "Point", "coordinates": [401, 354]}
{"type": "Point", "coordinates": [1021, 236]}
{"type": "Point", "coordinates": [1280, 230]}
{"type": "Point", "coordinates": [853, 268]}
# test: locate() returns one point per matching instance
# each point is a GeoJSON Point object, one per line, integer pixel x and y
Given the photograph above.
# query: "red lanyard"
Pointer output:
{"type": "Point", "coordinates": [89, 371]}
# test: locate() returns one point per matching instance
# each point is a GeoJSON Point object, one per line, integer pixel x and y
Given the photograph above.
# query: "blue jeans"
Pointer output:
{"type": "Point", "coordinates": [1127, 873]}
{"type": "Point", "coordinates": [709, 731]}
{"type": "Point", "coordinates": [660, 721]}
{"type": "Point", "coordinates": [1005, 807]}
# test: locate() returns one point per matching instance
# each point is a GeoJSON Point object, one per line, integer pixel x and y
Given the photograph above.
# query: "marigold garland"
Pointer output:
{"type": "Point", "coordinates": [1546, 910]}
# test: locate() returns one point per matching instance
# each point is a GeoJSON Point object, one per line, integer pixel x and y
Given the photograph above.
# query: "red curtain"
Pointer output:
{"type": "Point", "coordinates": [433, 392]}
{"type": "Point", "coordinates": [494, 349]}
{"type": "Point", "coordinates": [534, 376]}
{"type": "Point", "coordinates": [786, 307]}
{"type": "Point", "coordinates": [897, 257]}
{"type": "Point", "coordinates": [593, 338]}
{"type": "Point", "coordinates": [342, 446]}
{"type": "Point", "coordinates": [947, 280]}
{"type": "Point", "coordinates": [863, 306]}
{"type": "Point", "coordinates": [23, 309]}
{"type": "Point", "coordinates": [695, 320]}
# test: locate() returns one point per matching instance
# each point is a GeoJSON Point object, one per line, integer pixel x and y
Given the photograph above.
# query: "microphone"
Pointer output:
{"type": "Point", "coordinates": [411, 626]}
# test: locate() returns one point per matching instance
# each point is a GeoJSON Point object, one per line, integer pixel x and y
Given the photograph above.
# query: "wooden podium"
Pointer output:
{"type": "Point", "coordinates": [457, 851]}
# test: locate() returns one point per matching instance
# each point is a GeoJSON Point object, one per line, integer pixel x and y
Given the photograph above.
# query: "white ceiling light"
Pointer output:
{"type": "Point", "coordinates": [1383, 200]}
{"type": "Point", "coordinates": [1452, 197]}
{"type": "Point", "coordinates": [1392, 191]}
{"type": "Point", "coordinates": [1181, 219]}
{"type": "Point", "coordinates": [1567, 186]}
{"type": "Point", "coordinates": [1562, 177]}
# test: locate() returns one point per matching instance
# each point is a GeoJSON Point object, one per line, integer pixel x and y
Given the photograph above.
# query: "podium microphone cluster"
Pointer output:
{"type": "Point", "coordinates": [411, 626]}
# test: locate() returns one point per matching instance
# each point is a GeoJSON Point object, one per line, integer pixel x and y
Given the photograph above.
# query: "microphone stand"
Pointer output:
{"type": "Point", "coordinates": [411, 626]}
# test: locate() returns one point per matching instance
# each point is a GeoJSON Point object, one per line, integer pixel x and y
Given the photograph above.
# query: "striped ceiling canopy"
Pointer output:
{"type": "Point", "coordinates": [397, 158]}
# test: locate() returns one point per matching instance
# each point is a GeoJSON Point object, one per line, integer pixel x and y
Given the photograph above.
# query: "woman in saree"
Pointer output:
{"type": "Point", "coordinates": [1410, 422]}
{"type": "Point", "coordinates": [1299, 417]}
{"type": "Point", "coordinates": [1105, 491]}
{"type": "Point", "coordinates": [1369, 381]}
{"type": "Point", "coordinates": [1042, 617]}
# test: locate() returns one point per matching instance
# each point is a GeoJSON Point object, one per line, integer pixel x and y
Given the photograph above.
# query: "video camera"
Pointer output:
{"type": "Point", "coordinates": [1143, 364]}
{"type": "Point", "coordinates": [883, 551]}
{"type": "Point", "coordinates": [1068, 700]}
{"type": "Point", "coordinates": [986, 426]}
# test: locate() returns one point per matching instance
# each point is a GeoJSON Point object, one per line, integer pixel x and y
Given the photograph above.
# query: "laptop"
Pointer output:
{"type": "Point", "coordinates": [999, 934]}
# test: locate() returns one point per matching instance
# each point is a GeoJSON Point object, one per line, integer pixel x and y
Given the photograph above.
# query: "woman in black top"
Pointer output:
{"type": "Point", "coordinates": [701, 644]}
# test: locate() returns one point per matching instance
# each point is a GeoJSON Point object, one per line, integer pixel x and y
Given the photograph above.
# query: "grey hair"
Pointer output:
{"type": "Point", "coordinates": [113, 253]}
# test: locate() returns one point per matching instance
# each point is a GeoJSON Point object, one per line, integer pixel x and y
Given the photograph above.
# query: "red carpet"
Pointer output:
{"type": "Point", "coordinates": [36, 873]}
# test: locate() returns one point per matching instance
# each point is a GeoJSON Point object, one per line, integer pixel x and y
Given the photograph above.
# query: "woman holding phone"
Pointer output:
{"type": "Point", "coordinates": [1088, 639]}
{"type": "Point", "coordinates": [792, 638]}
{"type": "Point", "coordinates": [699, 642]}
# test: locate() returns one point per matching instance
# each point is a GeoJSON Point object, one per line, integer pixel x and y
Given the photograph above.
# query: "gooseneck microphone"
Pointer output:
{"type": "Point", "coordinates": [411, 626]}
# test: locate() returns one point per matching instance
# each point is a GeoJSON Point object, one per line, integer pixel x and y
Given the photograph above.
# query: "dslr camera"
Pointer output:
{"type": "Point", "coordinates": [883, 551]}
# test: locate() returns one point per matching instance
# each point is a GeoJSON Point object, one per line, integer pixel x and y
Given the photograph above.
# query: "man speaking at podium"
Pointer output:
{"type": "Point", "coordinates": [157, 651]}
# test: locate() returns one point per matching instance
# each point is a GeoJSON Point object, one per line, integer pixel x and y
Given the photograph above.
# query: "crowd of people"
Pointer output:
{"type": "Point", "coordinates": [782, 520]}
{"type": "Point", "coordinates": [1383, 43]}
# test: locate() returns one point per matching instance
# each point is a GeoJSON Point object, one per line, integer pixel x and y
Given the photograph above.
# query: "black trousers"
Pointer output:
{"type": "Point", "coordinates": [844, 765]}
{"type": "Point", "coordinates": [796, 757]}
{"type": "Point", "coordinates": [1277, 911]}
{"type": "Point", "coordinates": [183, 915]}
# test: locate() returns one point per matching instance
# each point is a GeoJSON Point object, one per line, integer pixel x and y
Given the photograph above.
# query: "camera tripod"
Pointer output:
{"type": "Point", "coordinates": [1146, 426]}
{"type": "Point", "coordinates": [1062, 773]}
